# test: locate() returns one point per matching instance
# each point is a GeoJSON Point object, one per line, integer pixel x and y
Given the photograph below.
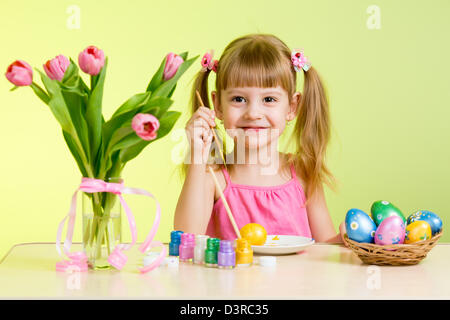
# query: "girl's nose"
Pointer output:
{"type": "Point", "coordinates": [253, 112]}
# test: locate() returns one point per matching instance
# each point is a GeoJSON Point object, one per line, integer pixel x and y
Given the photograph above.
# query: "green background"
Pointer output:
{"type": "Point", "coordinates": [388, 89]}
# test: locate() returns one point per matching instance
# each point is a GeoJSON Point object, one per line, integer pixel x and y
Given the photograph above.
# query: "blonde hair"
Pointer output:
{"type": "Point", "coordinates": [263, 60]}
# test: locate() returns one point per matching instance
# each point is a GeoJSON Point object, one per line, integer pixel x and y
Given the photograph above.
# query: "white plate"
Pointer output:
{"type": "Point", "coordinates": [279, 244]}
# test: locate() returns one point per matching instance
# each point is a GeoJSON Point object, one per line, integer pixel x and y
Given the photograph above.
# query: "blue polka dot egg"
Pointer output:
{"type": "Point", "coordinates": [432, 218]}
{"type": "Point", "coordinates": [360, 227]}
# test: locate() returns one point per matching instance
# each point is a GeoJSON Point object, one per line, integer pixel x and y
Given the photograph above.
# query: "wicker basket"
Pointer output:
{"type": "Point", "coordinates": [392, 255]}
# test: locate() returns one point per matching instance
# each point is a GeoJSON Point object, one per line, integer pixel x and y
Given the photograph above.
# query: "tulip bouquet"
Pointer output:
{"type": "Point", "coordinates": [102, 148]}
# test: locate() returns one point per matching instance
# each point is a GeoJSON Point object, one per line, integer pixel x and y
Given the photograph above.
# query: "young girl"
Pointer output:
{"type": "Point", "coordinates": [255, 99]}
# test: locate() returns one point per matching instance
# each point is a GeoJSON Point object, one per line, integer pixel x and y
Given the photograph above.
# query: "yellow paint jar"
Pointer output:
{"type": "Point", "coordinates": [244, 253]}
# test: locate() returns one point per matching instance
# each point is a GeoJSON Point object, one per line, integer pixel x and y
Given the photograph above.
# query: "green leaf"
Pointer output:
{"type": "Point", "coordinates": [74, 150]}
{"type": "Point", "coordinates": [118, 135]}
{"type": "Point", "coordinates": [60, 110]}
{"type": "Point", "coordinates": [40, 93]}
{"type": "Point", "coordinates": [112, 125]}
{"type": "Point", "coordinates": [72, 82]}
{"type": "Point", "coordinates": [134, 102]}
{"type": "Point", "coordinates": [130, 153]}
{"type": "Point", "coordinates": [157, 77]}
{"type": "Point", "coordinates": [14, 88]}
{"type": "Point", "coordinates": [116, 166]}
{"type": "Point", "coordinates": [157, 106]}
{"type": "Point", "coordinates": [166, 88]}
{"type": "Point", "coordinates": [131, 139]}
{"type": "Point", "coordinates": [184, 55]}
{"type": "Point", "coordinates": [78, 90]}
{"type": "Point", "coordinates": [70, 75]}
{"type": "Point", "coordinates": [57, 104]}
{"type": "Point", "coordinates": [115, 137]}
{"type": "Point", "coordinates": [83, 86]}
{"type": "Point", "coordinates": [75, 102]}
{"type": "Point", "coordinates": [171, 92]}
{"type": "Point", "coordinates": [94, 112]}
{"type": "Point", "coordinates": [74, 92]}
{"type": "Point", "coordinates": [94, 80]}
{"type": "Point", "coordinates": [166, 124]}
{"type": "Point", "coordinates": [124, 114]}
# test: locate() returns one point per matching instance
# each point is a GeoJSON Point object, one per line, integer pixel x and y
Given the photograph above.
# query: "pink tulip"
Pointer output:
{"type": "Point", "coordinates": [145, 125]}
{"type": "Point", "coordinates": [56, 67]}
{"type": "Point", "coordinates": [91, 60]}
{"type": "Point", "coordinates": [173, 62]}
{"type": "Point", "coordinates": [19, 73]}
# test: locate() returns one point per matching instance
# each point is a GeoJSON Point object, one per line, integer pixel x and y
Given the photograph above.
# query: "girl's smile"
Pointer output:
{"type": "Point", "coordinates": [252, 130]}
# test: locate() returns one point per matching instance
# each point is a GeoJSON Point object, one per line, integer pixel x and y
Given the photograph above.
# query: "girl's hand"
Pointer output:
{"type": "Point", "coordinates": [198, 130]}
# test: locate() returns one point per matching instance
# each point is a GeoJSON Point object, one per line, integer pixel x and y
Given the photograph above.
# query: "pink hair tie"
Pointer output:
{"type": "Point", "coordinates": [208, 63]}
{"type": "Point", "coordinates": [299, 60]}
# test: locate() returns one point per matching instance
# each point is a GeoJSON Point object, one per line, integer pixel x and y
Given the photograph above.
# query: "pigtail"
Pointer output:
{"type": "Point", "coordinates": [200, 85]}
{"type": "Point", "coordinates": [312, 132]}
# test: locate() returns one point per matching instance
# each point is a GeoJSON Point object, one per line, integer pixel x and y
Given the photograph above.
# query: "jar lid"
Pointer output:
{"type": "Point", "coordinates": [200, 239]}
{"type": "Point", "coordinates": [171, 261]}
{"type": "Point", "coordinates": [267, 261]}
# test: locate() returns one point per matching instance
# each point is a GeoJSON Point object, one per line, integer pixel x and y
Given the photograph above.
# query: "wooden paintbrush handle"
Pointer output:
{"type": "Point", "coordinates": [225, 203]}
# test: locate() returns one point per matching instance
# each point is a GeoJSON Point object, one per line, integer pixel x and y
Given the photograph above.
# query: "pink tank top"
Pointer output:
{"type": "Point", "coordinates": [279, 209]}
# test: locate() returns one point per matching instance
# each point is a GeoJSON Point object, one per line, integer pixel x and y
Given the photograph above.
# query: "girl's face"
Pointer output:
{"type": "Point", "coordinates": [258, 115]}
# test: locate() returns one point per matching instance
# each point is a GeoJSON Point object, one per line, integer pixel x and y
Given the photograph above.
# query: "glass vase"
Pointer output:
{"type": "Point", "coordinates": [101, 225]}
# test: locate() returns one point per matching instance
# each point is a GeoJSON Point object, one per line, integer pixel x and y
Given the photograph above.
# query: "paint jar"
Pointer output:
{"type": "Point", "coordinates": [211, 252]}
{"type": "Point", "coordinates": [244, 253]}
{"type": "Point", "coordinates": [174, 242]}
{"type": "Point", "coordinates": [200, 247]}
{"type": "Point", "coordinates": [226, 257]}
{"type": "Point", "coordinates": [187, 246]}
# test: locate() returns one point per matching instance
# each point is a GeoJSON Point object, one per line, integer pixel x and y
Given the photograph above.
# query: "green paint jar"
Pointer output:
{"type": "Point", "coordinates": [212, 249]}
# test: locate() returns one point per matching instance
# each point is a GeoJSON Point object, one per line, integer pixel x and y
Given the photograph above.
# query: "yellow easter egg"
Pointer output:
{"type": "Point", "coordinates": [254, 233]}
{"type": "Point", "coordinates": [417, 231]}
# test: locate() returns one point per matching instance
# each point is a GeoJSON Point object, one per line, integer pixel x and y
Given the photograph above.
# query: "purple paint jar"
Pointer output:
{"type": "Point", "coordinates": [187, 245]}
{"type": "Point", "coordinates": [226, 257]}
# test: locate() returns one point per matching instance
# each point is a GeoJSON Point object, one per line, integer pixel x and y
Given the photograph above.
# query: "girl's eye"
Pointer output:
{"type": "Point", "coordinates": [265, 99]}
{"type": "Point", "coordinates": [237, 99]}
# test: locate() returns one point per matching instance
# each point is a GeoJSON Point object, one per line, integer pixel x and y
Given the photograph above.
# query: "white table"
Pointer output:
{"type": "Point", "coordinates": [322, 271]}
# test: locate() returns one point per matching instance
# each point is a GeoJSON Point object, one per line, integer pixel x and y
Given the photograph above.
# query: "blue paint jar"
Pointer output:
{"type": "Point", "coordinates": [174, 244]}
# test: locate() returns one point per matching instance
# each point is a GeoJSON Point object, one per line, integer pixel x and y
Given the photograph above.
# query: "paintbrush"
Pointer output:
{"type": "Point", "coordinates": [222, 196]}
{"type": "Point", "coordinates": [218, 142]}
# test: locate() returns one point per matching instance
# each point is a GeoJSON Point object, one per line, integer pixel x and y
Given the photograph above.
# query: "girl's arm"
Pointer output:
{"type": "Point", "coordinates": [322, 228]}
{"type": "Point", "coordinates": [196, 200]}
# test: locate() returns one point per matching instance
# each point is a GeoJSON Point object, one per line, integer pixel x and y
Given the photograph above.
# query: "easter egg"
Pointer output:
{"type": "Point", "coordinates": [432, 218]}
{"type": "Point", "coordinates": [254, 233]}
{"type": "Point", "coordinates": [382, 209]}
{"type": "Point", "coordinates": [390, 231]}
{"type": "Point", "coordinates": [417, 231]}
{"type": "Point", "coordinates": [359, 226]}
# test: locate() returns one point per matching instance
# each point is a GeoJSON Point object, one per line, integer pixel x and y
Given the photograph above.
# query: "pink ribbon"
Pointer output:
{"type": "Point", "coordinates": [78, 260]}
